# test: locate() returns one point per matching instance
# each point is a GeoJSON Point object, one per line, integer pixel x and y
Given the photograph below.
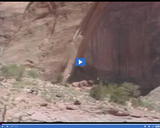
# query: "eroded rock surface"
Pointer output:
{"type": "Point", "coordinates": [42, 34]}
{"type": "Point", "coordinates": [125, 45]}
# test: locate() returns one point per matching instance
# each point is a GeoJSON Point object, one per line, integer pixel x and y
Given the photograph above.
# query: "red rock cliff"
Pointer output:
{"type": "Point", "coordinates": [125, 45]}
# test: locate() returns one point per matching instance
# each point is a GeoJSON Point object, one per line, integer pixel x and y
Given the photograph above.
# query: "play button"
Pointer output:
{"type": "Point", "coordinates": [80, 61]}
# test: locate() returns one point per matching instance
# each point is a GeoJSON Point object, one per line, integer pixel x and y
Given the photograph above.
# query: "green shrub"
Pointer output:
{"type": "Point", "coordinates": [132, 89]}
{"type": "Point", "coordinates": [13, 71]}
{"type": "Point", "coordinates": [32, 74]}
{"type": "Point", "coordinates": [46, 96]}
{"type": "Point", "coordinates": [146, 105]}
{"type": "Point", "coordinates": [118, 93]}
{"type": "Point", "coordinates": [137, 102]}
{"type": "Point", "coordinates": [58, 79]}
{"type": "Point", "coordinates": [111, 87]}
{"type": "Point", "coordinates": [98, 92]}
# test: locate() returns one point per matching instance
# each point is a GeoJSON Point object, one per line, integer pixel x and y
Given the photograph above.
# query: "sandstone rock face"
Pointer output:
{"type": "Point", "coordinates": [153, 98]}
{"type": "Point", "coordinates": [43, 33]}
{"type": "Point", "coordinates": [10, 18]}
{"type": "Point", "coordinates": [125, 46]}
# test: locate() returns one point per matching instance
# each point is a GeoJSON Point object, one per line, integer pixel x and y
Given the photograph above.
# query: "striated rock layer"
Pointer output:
{"type": "Point", "coordinates": [125, 45]}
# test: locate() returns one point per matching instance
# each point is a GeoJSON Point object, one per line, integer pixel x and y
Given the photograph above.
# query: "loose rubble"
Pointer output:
{"type": "Point", "coordinates": [57, 103]}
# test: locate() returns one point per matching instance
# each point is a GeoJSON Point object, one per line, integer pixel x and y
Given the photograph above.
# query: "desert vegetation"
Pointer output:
{"type": "Point", "coordinates": [13, 71]}
{"type": "Point", "coordinates": [119, 93]}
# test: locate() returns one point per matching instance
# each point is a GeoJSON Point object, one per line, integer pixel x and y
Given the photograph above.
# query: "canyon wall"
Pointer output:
{"type": "Point", "coordinates": [39, 34]}
{"type": "Point", "coordinates": [126, 45]}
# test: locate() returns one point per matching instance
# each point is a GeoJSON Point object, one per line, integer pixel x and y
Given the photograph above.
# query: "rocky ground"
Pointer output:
{"type": "Point", "coordinates": [34, 100]}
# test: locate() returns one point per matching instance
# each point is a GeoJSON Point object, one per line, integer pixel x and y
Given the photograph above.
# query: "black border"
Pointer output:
{"type": "Point", "coordinates": [58, 122]}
